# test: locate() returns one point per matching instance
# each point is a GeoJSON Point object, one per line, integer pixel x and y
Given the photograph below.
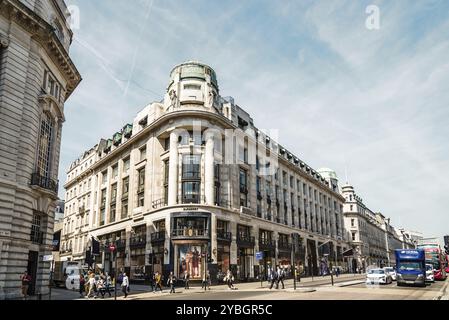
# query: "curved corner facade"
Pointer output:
{"type": "Point", "coordinates": [191, 183]}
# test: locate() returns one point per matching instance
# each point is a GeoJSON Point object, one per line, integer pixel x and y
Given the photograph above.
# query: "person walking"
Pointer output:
{"type": "Point", "coordinates": [152, 282]}
{"type": "Point", "coordinates": [91, 283]}
{"type": "Point", "coordinates": [206, 281]}
{"type": "Point", "coordinates": [82, 286]}
{"type": "Point", "coordinates": [26, 279]}
{"type": "Point", "coordinates": [107, 284]}
{"type": "Point", "coordinates": [281, 276]}
{"type": "Point", "coordinates": [273, 278]}
{"type": "Point", "coordinates": [186, 280]}
{"type": "Point", "coordinates": [158, 279]}
{"type": "Point", "coordinates": [100, 288]}
{"type": "Point", "coordinates": [171, 282]}
{"type": "Point", "coordinates": [125, 285]}
{"type": "Point", "coordinates": [230, 280]}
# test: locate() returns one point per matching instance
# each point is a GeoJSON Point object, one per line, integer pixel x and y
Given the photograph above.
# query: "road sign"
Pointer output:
{"type": "Point", "coordinates": [48, 258]}
{"type": "Point", "coordinates": [259, 255]}
{"type": "Point", "coordinates": [112, 247]}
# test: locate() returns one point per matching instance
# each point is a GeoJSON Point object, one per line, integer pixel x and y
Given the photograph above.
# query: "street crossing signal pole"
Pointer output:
{"type": "Point", "coordinates": [115, 277]}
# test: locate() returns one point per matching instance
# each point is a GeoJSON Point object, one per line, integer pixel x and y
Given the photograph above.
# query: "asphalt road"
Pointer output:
{"type": "Point", "coordinates": [351, 289]}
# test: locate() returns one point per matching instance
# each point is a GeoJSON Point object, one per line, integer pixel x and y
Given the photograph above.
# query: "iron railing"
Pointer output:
{"type": "Point", "coordinates": [44, 182]}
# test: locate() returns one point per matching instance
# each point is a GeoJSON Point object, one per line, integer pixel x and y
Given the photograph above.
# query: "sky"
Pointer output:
{"type": "Point", "coordinates": [372, 104]}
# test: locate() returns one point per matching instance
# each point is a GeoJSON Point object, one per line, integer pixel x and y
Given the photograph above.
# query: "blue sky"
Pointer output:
{"type": "Point", "coordinates": [372, 103]}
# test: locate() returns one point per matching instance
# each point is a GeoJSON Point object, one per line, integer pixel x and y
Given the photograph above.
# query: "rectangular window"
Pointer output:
{"type": "Point", "coordinates": [103, 198]}
{"type": "Point", "coordinates": [352, 223]}
{"type": "Point", "coordinates": [191, 192]}
{"type": "Point", "coordinates": [37, 236]}
{"type": "Point", "coordinates": [126, 164]}
{"type": "Point", "coordinates": [112, 213]}
{"type": "Point", "coordinates": [124, 213]}
{"type": "Point", "coordinates": [191, 167]}
{"type": "Point", "coordinates": [143, 153]}
{"type": "Point", "coordinates": [114, 171]}
{"type": "Point", "coordinates": [45, 146]}
{"type": "Point", "coordinates": [104, 175]}
{"type": "Point", "coordinates": [141, 188]}
{"type": "Point", "coordinates": [102, 216]}
{"type": "Point", "coordinates": [125, 188]}
{"type": "Point", "coordinates": [192, 87]}
{"type": "Point", "coordinates": [114, 193]}
{"type": "Point", "coordinates": [353, 236]}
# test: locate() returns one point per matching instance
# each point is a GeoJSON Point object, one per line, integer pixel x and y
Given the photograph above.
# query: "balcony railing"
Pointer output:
{"type": "Point", "coordinates": [158, 236]}
{"type": "Point", "coordinates": [44, 182]}
{"type": "Point", "coordinates": [245, 240]}
{"type": "Point", "coordinates": [224, 236]}
{"type": "Point", "coordinates": [267, 243]}
{"type": "Point", "coordinates": [121, 244]}
{"type": "Point", "coordinates": [282, 245]}
{"type": "Point", "coordinates": [159, 203]}
{"type": "Point", "coordinates": [138, 241]}
{"type": "Point", "coordinates": [190, 233]}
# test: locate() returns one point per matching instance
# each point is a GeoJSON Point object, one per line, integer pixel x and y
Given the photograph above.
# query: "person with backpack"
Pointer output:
{"type": "Point", "coordinates": [171, 282]}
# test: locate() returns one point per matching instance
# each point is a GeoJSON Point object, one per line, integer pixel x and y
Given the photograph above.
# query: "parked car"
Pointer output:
{"type": "Point", "coordinates": [378, 276]}
{"type": "Point", "coordinates": [391, 271]}
{"type": "Point", "coordinates": [430, 276]}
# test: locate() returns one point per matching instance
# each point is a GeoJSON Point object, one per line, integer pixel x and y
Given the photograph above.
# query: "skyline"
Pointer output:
{"type": "Point", "coordinates": [316, 51]}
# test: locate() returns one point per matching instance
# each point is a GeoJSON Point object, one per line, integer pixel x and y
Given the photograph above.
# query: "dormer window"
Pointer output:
{"type": "Point", "coordinates": [144, 121]}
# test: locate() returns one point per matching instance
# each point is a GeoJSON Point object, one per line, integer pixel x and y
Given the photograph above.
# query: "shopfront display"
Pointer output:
{"type": "Point", "coordinates": [190, 259]}
{"type": "Point", "coordinates": [245, 264]}
{"type": "Point", "coordinates": [223, 257]}
{"type": "Point", "coordinates": [137, 272]}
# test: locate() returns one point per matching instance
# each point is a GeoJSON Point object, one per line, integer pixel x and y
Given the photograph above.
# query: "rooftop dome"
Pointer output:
{"type": "Point", "coordinates": [194, 69]}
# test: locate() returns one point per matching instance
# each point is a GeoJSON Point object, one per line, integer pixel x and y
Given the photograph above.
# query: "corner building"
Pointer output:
{"type": "Point", "coordinates": [192, 183]}
{"type": "Point", "coordinates": [37, 76]}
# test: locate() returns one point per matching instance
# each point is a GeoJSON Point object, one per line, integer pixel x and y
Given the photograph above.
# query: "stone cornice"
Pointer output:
{"type": "Point", "coordinates": [43, 33]}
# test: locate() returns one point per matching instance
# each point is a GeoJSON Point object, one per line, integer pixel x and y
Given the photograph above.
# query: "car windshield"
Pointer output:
{"type": "Point", "coordinates": [376, 271]}
{"type": "Point", "coordinates": [410, 266]}
{"type": "Point", "coordinates": [389, 269]}
{"type": "Point", "coordinates": [429, 268]}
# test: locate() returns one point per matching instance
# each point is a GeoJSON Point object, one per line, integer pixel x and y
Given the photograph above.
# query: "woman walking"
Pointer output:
{"type": "Point", "coordinates": [125, 284]}
{"type": "Point", "coordinates": [82, 286]}
{"type": "Point", "coordinates": [26, 279]}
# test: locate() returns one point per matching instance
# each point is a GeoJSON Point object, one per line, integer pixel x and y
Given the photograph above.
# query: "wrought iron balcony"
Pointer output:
{"type": "Point", "coordinates": [190, 233]}
{"type": "Point", "coordinates": [37, 237]}
{"type": "Point", "coordinates": [282, 245]}
{"type": "Point", "coordinates": [158, 236]}
{"type": "Point", "coordinates": [224, 236]}
{"type": "Point", "coordinates": [138, 241]}
{"type": "Point", "coordinates": [244, 239]}
{"type": "Point", "coordinates": [267, 243]}
{"type": "Point", "coordinates": [44, 182]}
{"type": "Point", "coordinates": [159, 203]}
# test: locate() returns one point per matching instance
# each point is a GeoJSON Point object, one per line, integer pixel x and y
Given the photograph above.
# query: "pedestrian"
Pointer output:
{"type": "Point", "coordinates": [91, 283]}
{"type": "Point", "coordinates": [26, 279]}
{"type": "Point", "coordinates": [274, 278]}
{"type": "Point", "coordinates": [281, 276]}
{"type": "Point", "coordinates": [82, 286]}
{"type": "Point", "coordinates": [186, 280]}
{"type": "Point", "coordinates": [107, 284]}
{"type": "Point", "coordinates": [152, 282]}
{"type": "Point", "coordinates": [337, 272]}
{"type": "Point", "coordinates": [125, 284]}
{"type": "Point", "coordinates": [158, 279]}
{"type": "Point", "coordinates": [100, 288]}
{"type": "Point", "coordinates": [171, 282]}
{"type": "Point", "coordinates": [206, 281]}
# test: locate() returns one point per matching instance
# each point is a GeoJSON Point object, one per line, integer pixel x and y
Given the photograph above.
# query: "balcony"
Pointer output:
{"type": "Point", "coordinates": [138, 241]}
{"type": "Point", "coordinates": [190, 233]}
{"type": "Point", "coordinates": [158, 236]}
{"type": "Point", "coordinates": [121, 245]}
{"type": "Point", "coordinates": [285, 246]}
{"type": "Point", "coordinates": [191, 199]}
{"type": "Point", "coordinates": [267, 244]}
{"type": "Point", "coordinates": [37, 237]}
{"type": "Point", "coordinates": [159, 203]}
{"type": "Point", "coordinates": [224, 236]}
{"type": "Point", "coordinates": [44, 182]}
{"type": "Point", "coordinates": [245, 240]}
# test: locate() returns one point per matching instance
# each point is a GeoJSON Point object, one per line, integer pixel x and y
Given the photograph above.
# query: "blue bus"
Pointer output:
{"type": "Point", "coordinates": [411, 267]}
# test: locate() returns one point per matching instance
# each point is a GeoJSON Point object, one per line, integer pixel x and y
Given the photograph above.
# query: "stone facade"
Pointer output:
{"type": "Point", "coordinates": [193, 175]}
{"type": "Point", "coordinates": [36, 78]}
{"type": "Point", "coordinates": [371, 235]}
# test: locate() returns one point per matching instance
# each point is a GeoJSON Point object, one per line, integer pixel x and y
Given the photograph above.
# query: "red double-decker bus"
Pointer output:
{"type": "Point", "coordinates": [436, 257]}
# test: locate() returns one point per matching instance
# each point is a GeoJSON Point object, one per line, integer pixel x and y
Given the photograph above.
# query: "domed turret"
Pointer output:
{"type": "Point", "coordinates": [331, 176]}
{"type": "Point", "coordinates": [192, 84]}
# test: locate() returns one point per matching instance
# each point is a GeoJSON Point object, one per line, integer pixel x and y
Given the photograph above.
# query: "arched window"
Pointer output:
{"type": "Point", "coordinates": [45, 146]}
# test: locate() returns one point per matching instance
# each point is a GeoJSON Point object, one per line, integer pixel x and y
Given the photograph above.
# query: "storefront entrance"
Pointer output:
{"type": "Point", "coordinates": [245, 264]}
{"type": "Point", "coordinates": [190, 257]}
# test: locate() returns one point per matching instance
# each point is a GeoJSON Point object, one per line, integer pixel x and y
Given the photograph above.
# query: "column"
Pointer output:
{"type": "Point", "coordinates": [173, 170]}
{"type": "Point", "coordinates": [209, 170]}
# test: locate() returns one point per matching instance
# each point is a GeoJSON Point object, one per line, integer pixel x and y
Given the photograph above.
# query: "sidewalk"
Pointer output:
{"type": "Point", "coordinates": [305, 285]}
